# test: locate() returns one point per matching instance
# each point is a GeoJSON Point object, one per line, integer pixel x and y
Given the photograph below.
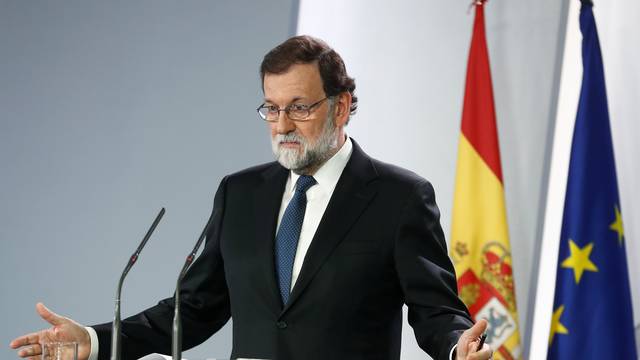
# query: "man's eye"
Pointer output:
{"type": "Point", "coordinates": [271, 108]}
{"type": "Point", "coordinates": [298, 107]}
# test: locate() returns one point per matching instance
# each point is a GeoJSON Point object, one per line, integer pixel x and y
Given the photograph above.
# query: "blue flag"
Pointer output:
{"type": "Point", "coordinates": [592, 313]}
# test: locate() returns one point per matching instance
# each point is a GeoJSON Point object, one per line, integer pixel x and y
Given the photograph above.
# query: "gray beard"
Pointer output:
{"type": "Point", "coordinates": [310, 156]}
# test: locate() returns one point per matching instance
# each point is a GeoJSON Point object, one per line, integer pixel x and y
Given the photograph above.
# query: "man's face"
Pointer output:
{"type": "Point", "coordinates": [301, 146]}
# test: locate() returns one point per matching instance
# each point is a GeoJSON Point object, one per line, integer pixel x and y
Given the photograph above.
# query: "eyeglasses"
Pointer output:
{"type": "Point", "coordinates": [295, 112]}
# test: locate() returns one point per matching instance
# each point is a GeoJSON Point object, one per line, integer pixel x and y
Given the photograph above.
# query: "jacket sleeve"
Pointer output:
{"type": "Point", "coordinates": [427, 277]}
{"type": "Point", "coordinates": [204, 303]}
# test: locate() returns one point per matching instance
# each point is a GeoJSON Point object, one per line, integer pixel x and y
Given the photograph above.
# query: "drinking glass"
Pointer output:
{"type": "Point", "coordinates": [60, 351]}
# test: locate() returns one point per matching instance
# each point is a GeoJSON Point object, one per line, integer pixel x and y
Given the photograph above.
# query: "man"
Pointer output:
{"type": "Point", "coordinates": [313, 255]}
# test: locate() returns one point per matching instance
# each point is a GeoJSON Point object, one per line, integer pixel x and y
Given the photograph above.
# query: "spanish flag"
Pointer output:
{"type": "Point", "coordinates": [480, 239]}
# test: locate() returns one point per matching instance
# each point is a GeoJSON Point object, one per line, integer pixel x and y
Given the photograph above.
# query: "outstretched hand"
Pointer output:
{"type": "Point", "coordinates": [469, 341]}
{"type": "Point", "coordinates": [62, 330]}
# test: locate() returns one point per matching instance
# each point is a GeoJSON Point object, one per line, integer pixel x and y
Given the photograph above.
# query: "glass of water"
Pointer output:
{"type": "Point", "coordinates": [60, 351]}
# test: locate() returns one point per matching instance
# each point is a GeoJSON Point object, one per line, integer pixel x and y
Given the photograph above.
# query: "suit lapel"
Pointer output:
{"type": "Point", "coordinates": [268, 197]}
{"type": "Point", "coordinates": [350, 198]}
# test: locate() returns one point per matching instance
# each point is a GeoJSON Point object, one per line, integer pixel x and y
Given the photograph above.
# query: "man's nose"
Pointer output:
{"type": "Point", "coordinates": [284, 125]}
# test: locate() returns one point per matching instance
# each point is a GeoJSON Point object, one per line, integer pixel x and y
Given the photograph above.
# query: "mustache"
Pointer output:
{"type": "Point", "coordinates": [291, 137]}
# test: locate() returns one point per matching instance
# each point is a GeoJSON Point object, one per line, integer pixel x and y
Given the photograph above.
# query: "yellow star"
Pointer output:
{"type": "Point", "coordinates": [556, 326]}
{"type": "Point", "coordinates": [579, 260]}
{"type": "Point", "coordinates": [617, 225]}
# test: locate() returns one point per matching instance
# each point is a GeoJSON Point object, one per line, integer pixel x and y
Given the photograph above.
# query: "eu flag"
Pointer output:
{"type": "Point", "coordinates": [592, 314]}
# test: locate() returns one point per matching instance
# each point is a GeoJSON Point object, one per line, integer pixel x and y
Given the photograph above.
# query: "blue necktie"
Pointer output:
{"type": "Point", "coordinates": [289, 233]}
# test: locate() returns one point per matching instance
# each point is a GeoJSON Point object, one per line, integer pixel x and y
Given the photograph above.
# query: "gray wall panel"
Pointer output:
{"type": "Point", "coordinates": [110, 110]}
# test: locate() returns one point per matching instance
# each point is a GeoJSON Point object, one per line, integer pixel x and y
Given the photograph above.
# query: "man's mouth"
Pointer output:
{"type": "Point", "coordinates": [289, 144]}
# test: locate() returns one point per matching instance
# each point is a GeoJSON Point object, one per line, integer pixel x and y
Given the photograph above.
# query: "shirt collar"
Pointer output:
{"type": "Point", "coordinates": [329, 173]}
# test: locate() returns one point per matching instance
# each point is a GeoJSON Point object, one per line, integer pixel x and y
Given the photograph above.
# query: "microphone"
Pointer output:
{"type": "Point", "coordinates": [115, 327]}
{"type": "Point", "coordinates": [176, 336]}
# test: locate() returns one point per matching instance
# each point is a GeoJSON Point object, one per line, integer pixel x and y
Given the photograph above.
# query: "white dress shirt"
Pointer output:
{"type": "Point", "coordinates": [318, 197]}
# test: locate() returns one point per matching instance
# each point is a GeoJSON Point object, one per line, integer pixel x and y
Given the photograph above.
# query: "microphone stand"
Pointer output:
{"type": "Point", "coordinates": [116, 326]}
{"type": "Point", "coordinates": [176, 336]}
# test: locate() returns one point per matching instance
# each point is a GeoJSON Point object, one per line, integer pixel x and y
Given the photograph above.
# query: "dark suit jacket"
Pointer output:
{"type": "Point", "coordinates": [379, 245]}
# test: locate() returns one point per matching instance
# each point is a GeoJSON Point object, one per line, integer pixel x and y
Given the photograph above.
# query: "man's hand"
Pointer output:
{"type": "Point", "coordinates": [469, 341]}
{"type": "Point", "coordinates": [63, 330]}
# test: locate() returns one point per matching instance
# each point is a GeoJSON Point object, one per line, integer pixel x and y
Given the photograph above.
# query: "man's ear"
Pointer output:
{"type": "Point", "coordinates": [342, 108]}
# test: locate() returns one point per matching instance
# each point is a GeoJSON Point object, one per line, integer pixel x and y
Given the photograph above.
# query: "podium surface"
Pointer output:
{"type": "Point", "coordinates": [156, 356]}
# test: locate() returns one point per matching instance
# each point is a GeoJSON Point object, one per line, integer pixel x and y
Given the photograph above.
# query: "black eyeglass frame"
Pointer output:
{"type": "Point", "coordinates": [307, 108]}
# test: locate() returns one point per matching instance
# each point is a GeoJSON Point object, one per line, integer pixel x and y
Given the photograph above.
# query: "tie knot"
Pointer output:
{"type": "Point", "coordinates": [304, 183]}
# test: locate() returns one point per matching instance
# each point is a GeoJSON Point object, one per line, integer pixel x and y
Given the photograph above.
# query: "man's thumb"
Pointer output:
{"type": "Point", "coordinates": [48, 315]}
{"type": "Point", "coordinates": [480, 327]}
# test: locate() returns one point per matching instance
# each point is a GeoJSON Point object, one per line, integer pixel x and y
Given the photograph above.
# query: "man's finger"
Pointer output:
{"type": "Point", "coordinates": [33, 350]}
{"type": "Point", "coordinates": [477, 329]}
{"type": "Point", "coordinates": [48, 315]}
{"type": "Point", "coordinates": [24, 340]}
{"type": "Point", "coordinates": [473, 333]}
{"type": "Point", "coordinates": [485, 353]}
{"type": "Point", "coordinates": [471, 347]}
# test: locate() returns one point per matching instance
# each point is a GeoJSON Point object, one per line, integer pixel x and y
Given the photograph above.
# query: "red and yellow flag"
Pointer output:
{"type": "Point", "coordinates": [480, 238]}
